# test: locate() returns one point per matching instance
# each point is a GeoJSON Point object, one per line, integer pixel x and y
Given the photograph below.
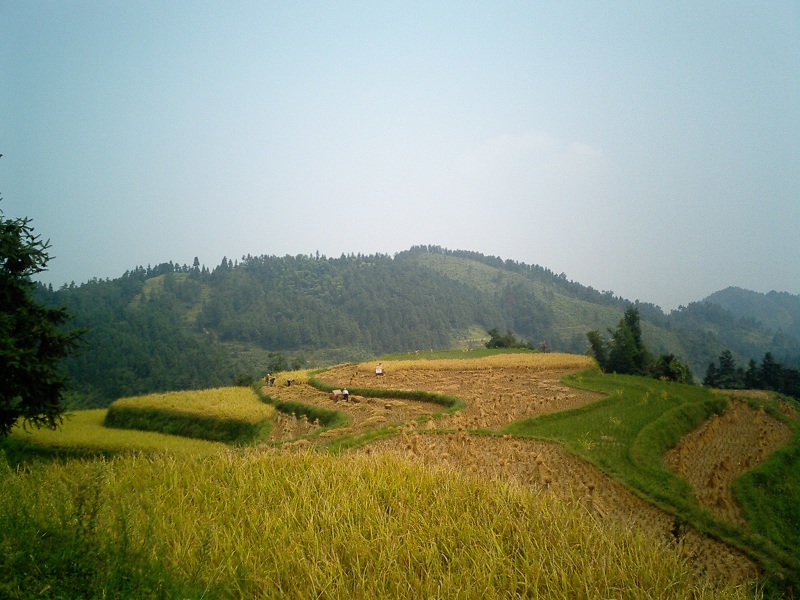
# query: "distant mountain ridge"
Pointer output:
{"type": "Point", "coordinates": [179, 327]}
{"type": "Point", "coordinates": [777, 311]}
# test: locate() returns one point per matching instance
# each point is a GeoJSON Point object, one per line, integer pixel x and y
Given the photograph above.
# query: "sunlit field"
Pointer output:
{"type": "Point", "coordinates": [531, 360]}
{"type": "Point", "coordinates": [466, 476]}
{"type": "Point", "coordinates": [255, 524]}
{"type": "Point", "coordinates": [84, 430]}
{"type": "Point", "coordinates": [231, 414]}
{"type": "Point", "coordinates": [230, 403]}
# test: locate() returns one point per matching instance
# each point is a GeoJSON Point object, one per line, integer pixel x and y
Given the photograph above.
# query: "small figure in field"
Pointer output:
{"type": "Point", "coordinates": [289, 382]}
{"type": "Point", "coordinates": [345, 395]}
{"type": "Point", "coordinates": [543, 346]}
{"type": "Point", "coordinates": [379, 369]}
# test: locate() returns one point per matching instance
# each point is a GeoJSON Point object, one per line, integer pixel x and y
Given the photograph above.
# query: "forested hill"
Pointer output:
{"type": "Point", "coordinates": [777, 311]}
{"type": "Point", "coordinates": [180, 327]}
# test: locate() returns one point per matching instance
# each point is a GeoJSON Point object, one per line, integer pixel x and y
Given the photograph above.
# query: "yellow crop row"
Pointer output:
{"type": "Point", "coordinates": [85, 430]}
{"type": "Point", "coordinates": [234, 403]}
{"type": "Point", "coordinates": [280, 525]}
{"type": "Point", "coordinates": [548, 361]}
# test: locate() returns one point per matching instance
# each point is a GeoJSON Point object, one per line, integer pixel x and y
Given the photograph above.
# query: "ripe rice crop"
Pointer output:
{"type": "Point", "coordinates": [251, 524]}
{"type": "Point", "coordinates": [232, 414]}
{"type": "Point", "coordinates": [233, 403]}
{"type": "Point", "coordinates": [84, 431]}
{"type": "Point", "coordinates": [533, 361]}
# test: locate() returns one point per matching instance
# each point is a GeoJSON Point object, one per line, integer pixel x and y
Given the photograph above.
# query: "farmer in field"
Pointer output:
{"type": "Point", "coordinates": [379, 369]}
{"type": "Point", "coordinates": [345, 394]}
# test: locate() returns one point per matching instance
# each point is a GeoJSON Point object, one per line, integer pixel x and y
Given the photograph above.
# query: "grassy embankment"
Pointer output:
{"type": "Point", "coordinates": [246, 523]}
{"type": "Point", "coordinates": [627, 433]}
{"type": "Point", "coordinates": [770, 495]}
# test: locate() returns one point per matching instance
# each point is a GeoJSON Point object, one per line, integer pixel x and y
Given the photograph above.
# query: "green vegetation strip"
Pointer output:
{"type": "Point", "coordinates": [328, 419]}
{"type": "Point", "coordinates": [770, 499]}
{"type": "Point", "coordinates": [627, 433]}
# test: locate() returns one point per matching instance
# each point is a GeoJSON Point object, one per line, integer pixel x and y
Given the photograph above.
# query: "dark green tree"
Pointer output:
{"type": "Point", "coordinates": [711, 378]}
{"type": "Point", "coordinates": [597, 348]}
{"type": "Point", "coordinates": [627, 353]}
{"type": "Point", "coordinates": [33, 339]}
{"type": "Point", "coordinates": [669, 368]}
{"type": "Point", "coordinates": [507, 340]}
{"type": "Point", "coordinates": [770, 373]}
{"type": "Point", "coordinates": [752, 377]}
{"type": "Point", "coordinates": [729, 377]}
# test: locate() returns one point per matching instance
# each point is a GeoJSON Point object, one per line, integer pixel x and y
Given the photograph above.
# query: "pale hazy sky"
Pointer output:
{"type": "Point", "coordinates": [648, 148]}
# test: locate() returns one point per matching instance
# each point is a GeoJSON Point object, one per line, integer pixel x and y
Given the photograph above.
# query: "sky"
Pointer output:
{"type": "Point", "coordinates": [651, 149]}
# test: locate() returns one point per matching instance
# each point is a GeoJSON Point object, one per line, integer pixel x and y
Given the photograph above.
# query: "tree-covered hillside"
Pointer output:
{"type": "Point", "coordinates": [778, 312]}
{"type": "Point", "coordinates": [181, 327]}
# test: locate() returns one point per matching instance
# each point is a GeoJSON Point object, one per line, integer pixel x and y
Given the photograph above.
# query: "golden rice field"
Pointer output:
{"type": "Point", "coordinates": [272, 524]}
{"type": "Point", "coordinates": [227, 403]}
{"type": "Point", "coordinates": [435, 510]}
{"type": "Point", "coordinates": [84, 430]}
{"type": "Point", "coordinates": [554, 361]}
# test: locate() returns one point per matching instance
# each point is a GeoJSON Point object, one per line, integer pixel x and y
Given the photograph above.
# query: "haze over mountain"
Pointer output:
{"type": "Point", "coordinates": [179, 326]}
{"type": "Point", "coordinates": [642, 147]}
{"type": "Point", "coordinates": [777, 311]}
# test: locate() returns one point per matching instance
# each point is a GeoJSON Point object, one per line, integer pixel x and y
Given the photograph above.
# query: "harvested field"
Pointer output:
{"type": "Point", "coordinates": [365, 413]}
{"type": "Point", "coordinates": [499, 390]}
{"type": "Point", "coordinates": [496, 391]}
{"type": "Point", "coordinates": [722, 449]}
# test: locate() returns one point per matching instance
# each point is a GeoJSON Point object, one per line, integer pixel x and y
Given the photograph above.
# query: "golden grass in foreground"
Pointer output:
{"type": "Point", "coordinates": [268, 525]}
{"type": "Point", "coordinates": [84, 430]}
{"type": "Point", "coordinates": [549, 361]}
{"type": "Point", "coordinates": [228, 403]}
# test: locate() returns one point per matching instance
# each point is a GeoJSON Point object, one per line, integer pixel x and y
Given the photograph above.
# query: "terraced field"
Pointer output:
{"type": "Point", "coordinates": [722, 449]}
{"type": "Point", "coordinates": [498, 393]}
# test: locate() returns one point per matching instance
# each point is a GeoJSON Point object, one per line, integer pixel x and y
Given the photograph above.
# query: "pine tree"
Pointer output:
{"type": "Point", "coordinates": [32, 340]}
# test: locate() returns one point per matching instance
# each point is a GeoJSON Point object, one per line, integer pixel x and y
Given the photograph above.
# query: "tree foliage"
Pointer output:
{"type": "Point", "coordinates": [624, 352]}
{"type": "Point", "coordinates": [33, 339]}
{"type": "Point", "coordinates": [769, 375]}
{"type": "Point", "coordinates": [506, 340]}
{"type": "Point", "coordinates": [669, 368]}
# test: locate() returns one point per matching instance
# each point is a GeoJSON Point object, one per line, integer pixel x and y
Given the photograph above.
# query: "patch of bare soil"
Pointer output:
{"type": "Point", "coordinates": [723, 448]}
